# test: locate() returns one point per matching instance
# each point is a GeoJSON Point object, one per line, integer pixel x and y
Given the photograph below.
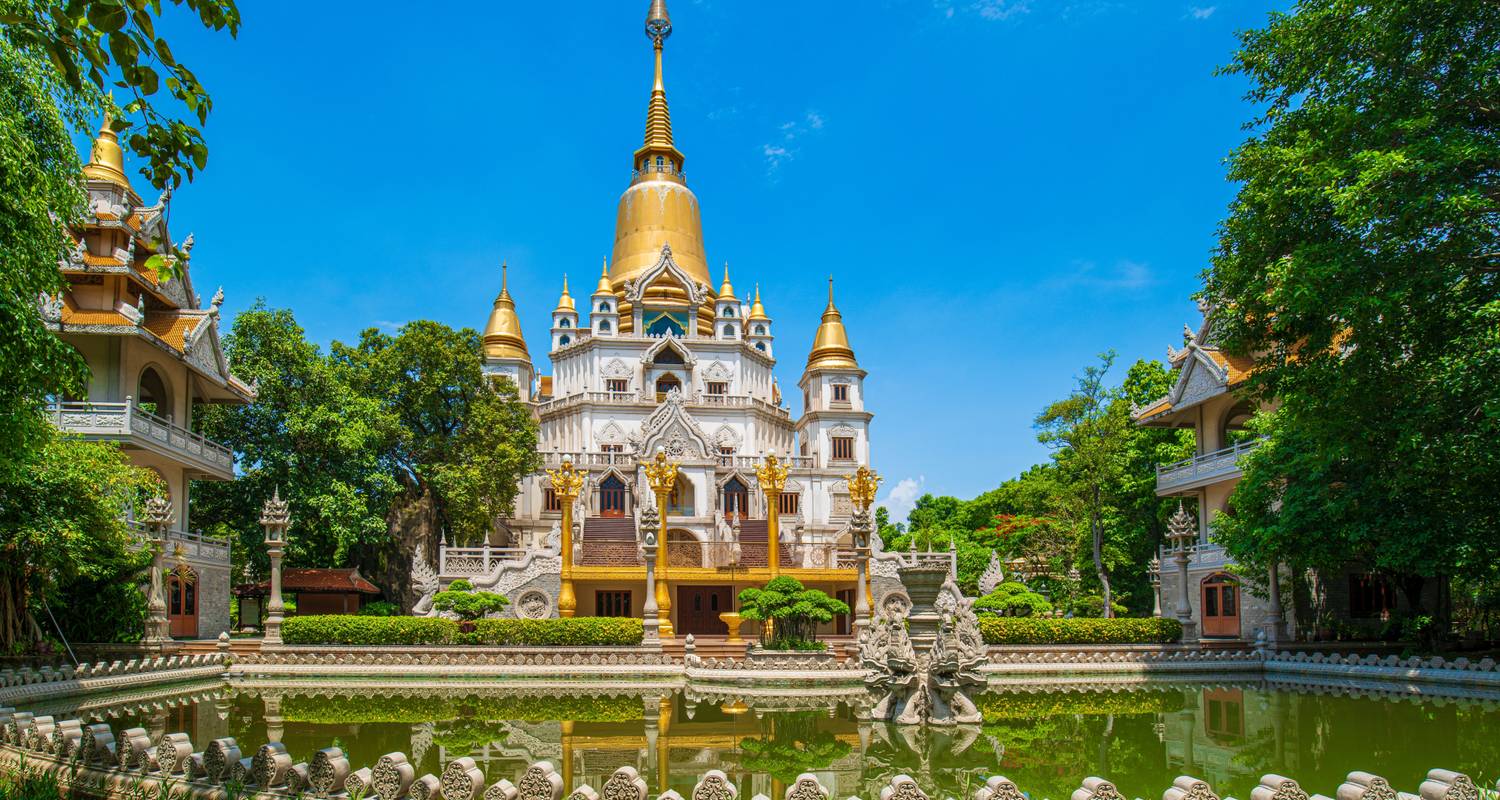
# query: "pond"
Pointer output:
{"type": "Point", "coordinates": [1045, 740]}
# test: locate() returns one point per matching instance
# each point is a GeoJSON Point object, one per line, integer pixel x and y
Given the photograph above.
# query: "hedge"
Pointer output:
{"type": "Point", "coordinates": [1030, 630]}
{"type": "Point", "coordinates": [356, 630]}
{"type": "Point", "coordinates": [350, 629]}
{"type": "Point", "coordinates": [574, 631]}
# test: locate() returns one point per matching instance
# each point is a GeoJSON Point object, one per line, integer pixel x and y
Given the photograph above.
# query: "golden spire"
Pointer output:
{"type": "Point", "coordinates": [604, 287]}
{"type": "Point", "coordinates": [106, 160]}
{"type": "Point", "coordinates": [726, 289]}
{"type": "Point", "coordinates": [502, 335]}
{"type": "Point", "coordinates": [831, 344]}
{"type": "Point", "coordinates": [564, 303]}
{"type": "Point", "coordinates": [658, 120]}
{"type": "Point", "coordinates": [758, 311]}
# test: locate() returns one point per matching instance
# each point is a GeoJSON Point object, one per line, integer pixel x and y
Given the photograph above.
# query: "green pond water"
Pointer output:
{"type": "Point", "coordinates": [1046, 741]}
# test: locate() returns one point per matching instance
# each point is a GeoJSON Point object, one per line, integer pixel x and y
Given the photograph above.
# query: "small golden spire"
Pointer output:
{"type": "Point", "coordinates": [106, 159]}
{"type": "Point", "coordinates": [831, 344]}
{"type": "Point", "coordinates": [658, 119]}
{"type": "Point", "coordinates": [758, 311]}
{"type": "Point", "coordinates": [604, 286]}
{"type": "Point", "coordinates": [726, 289]}
{"type": "Point", "coordinates": [565, 302]}
{"type": "Point", "coordinates": [502, 335]}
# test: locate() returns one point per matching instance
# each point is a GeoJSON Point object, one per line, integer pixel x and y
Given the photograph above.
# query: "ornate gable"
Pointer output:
{"type": "Point", "coordinates": [1200, 379]}
{"type": "Point", "coordinates": [649, 357]}
{"type": "Point", "coordinates": [673, 429]}
{"type": "Point", "coordinates": [665, 267]}
{"type": "Point", "coordinates": [615, 368]}
{"type": "Point", "coordinates": [716, 371]}
{"type": "Point", "coordinates": [610, 433]}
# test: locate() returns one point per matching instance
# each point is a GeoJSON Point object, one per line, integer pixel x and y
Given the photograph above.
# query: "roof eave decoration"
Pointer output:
{"type": "Point", "coordinates": [635, 289]}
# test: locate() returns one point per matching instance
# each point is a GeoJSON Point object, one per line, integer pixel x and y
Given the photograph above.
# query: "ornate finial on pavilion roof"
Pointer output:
{"type": "Point", "coordinates": [658, 119]}
{"type": "Point", "coordinates": [726, 289]}
{"type": "Point", "coordinates": [106, 159]}
{"type": "Point", "coordinates": [831, 344]}
{"type": "Point", "coordinates": [757, 311]}
{"type": "Point", "coordinates": [565, 302]}
{"type": "Point", "coordinates": [604, 286]}
{"type": "Point", "coordinates": [658, 22]}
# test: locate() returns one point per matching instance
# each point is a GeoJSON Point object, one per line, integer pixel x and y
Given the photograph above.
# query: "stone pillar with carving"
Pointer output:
{"type": "Point", "coordinates": [661, 475]}
{"type": "Point", "coordinates": [158, 520]}
{"type": "Point", "coordinates": [772, 475]}
{"type": "Point", "coordinates": [567, 483]}
{"type": "Point", "coordinates": [862, 486]}
{"type": "Point", "coordinates": [1276, 629]}
{"type": "Point", "coordinates": [1155, 569]}
{"type": "Point", "coordinates": [648, 530]}
{"type": "Point", "coordinates": [1182, 532]}
{"type": "Point", "coordinates": [276, 518]}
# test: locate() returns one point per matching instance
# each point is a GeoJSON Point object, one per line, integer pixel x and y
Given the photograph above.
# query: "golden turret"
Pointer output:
{"type": "Point", "coordinates": [565, 302]}
{"type": "Point", "coordinates": [757, 311]}
{"type": "Point", "coordinates": [658, 208]}
{"type": "Point", "coordinates": [726, 289]}
{"type": "Point", "coordinates": [604, 287]}
{"type": "Point", "coordinates": [831, 344]}
{"type": "Point", "coordinates": [106, 160]}
{"type": "Point", "coordinates": [502, 334]}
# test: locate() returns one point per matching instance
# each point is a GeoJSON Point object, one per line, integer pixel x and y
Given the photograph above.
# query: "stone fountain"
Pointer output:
{"type": "Point", "coordinates": [921, 666]}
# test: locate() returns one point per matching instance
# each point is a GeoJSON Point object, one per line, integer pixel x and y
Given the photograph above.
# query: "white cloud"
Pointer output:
{"type": "Point", "coordinates": [388, 325]}
{"type": "Point", "coordinates": [777, 153]}
{"type": "Point", "coordinates": [1124, 275]}
{"type": "Point", "coordinates": [1202, 12]}
{"type": "Point", "coordinates": [993, 10]}
{"type": "Point", "coordinates": [902, 497]}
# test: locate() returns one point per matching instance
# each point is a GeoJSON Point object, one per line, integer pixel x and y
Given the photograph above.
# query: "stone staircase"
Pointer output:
{"type": "Point", "coordinates": [706, 647]}
{"type": "Point", "coordinates": [193, 647]}
{"type": "Point", "coordinates": [609, 542]}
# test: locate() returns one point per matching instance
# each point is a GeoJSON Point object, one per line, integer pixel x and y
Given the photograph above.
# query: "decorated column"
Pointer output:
{"type": "Point", "coordinates": [1182, 532]}
{"type": "Point", "coordinates": [1275, 631]}
{"type": "Point", "coordinates": [661, 475]}
{"type": "Point", "coordinates": [1155, 568]}
{"type": "Point", "coordinates": [772, 475]}
{"type": "Point", "coordinates": [648, 531]}
{"type": "Point", "coordinates": [158, 519]}
{"type": "Point", "coordinates": [862, 486]}
{"type": "Point", "coordinates": [566, 484]}
{"type": "Point", "coordinates": [275, 517]}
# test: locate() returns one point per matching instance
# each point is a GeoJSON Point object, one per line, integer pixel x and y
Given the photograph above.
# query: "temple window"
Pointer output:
{"type": "Point", "coordinates": [728, 311]}
{"type": "Point", "coordinates": [665, 384]}
{"type": "Point", "coordinates": [564, 341]}
{"type": "Point", "coordinates": [680, 501]}
{"type": "Point", "coordinates": [718, 387]}
{"type": "Point", "coordinates": [564, 323]}
{"type": "Point", "coordinates": [665, 322]}
{"type": "Point", "coordinates": [604, 306]}
{"type": "Point", "coordinates": [604, 325]}
{"type": "Point", "coordinates": [841, 393]}
{"type": "Point", "coordinates": [611, 448]}
{"type": "Point", "coordinates": [789, 503]}
{"type": "Point", "coordinates": [612, 603]}
{"type": "Point", "coordinates": [550, 501]}
{"type": "Point", "coordinates": [616, 385]}
{"type": "Point", "coordinates": [760, 330]}
{"type": "Point", "coordinates": [728, 331]}
{"type": "Point", "coordinates": [843, 448]}
{"type": "Point", "coordinates": [761, 346]}
{"type": "Point", "coordinates": [152, 396]}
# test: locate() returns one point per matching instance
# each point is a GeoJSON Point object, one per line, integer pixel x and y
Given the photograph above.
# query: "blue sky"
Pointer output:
{"type": "Point", "coordinates": [1002, 189]}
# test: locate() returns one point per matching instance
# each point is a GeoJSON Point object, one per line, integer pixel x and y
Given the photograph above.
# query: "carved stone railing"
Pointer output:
{"type": "Point", "coordinates": [91, 759]}
{"type": "Point", "coordinates": [461, 562]}
{"type": "Point", "coordinates": [29, 684]}
{"type": "Point", "coordinates": [125, 421]}
{"type": "Point", "coordinates": [195, 544]}
{"type": "Point", "coordinates": [1203, 468]}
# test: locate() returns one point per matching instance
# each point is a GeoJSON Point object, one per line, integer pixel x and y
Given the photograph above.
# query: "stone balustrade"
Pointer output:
{"type": "Point", "coordinates": [30, 683]}
{"type": "Point", "coordinates": [90, 758]}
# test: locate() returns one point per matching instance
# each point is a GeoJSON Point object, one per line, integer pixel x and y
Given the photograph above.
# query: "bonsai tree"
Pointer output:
{"type": "Point", "coordinates": [792, 611]}
{"type": "Point", "coordinates": [461, 599]}
{"type": "Point", "coordinates": [1012, 599]}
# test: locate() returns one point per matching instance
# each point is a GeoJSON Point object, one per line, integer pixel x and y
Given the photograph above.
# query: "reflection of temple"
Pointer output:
{"type": "Point", "coordinates": [659, 355]}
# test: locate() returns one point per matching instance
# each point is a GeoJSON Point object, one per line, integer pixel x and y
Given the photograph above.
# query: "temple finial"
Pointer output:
{"type": "Point", "coordinates": [658, 22]}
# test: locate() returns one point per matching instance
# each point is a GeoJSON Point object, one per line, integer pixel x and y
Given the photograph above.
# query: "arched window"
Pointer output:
{"type": "Point", "coordinates": [659, 162]}
{"type": "Point", "coordinates": [668, 355]}
{"type": "Point", "coordinates": [604, 306]}
{"type": "Point", "coordinates": [728, 331]}
{"type": "Point", "coordinates": [736, 498]}
{"type": "Point", "coordinates": [666, 383]}
{"type": "Point", "coordinates": [728, 311]}
{"type": "Point", "coordinates": [612, 497]}
{"type": "Point", "coordinates": [604, 325]}
{"type": "Point", "coordinates": [680, 501]}
{"type": "Point", "coordinates": [761, 346]}
{"type": "Point", "coordinates": [760, 330]}
{"type": "Point", "coordinates": [1235, 428]}
{"type": "Point", "coordinates": [564, 323]}
{"type": "Point", "coordinates": [151, 394]}
{"type": "Point", "coordinates": [665, 323]}
{"type": "Point", "coordinates": [564, 341]}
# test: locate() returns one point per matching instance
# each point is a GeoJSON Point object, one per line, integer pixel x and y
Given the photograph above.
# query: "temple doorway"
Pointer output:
{"type": "Point", "coordinates": [699, 607]}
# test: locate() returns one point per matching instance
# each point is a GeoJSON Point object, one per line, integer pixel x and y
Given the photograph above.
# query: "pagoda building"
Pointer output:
{"type": "Point", "coordinates": [152, 349]}
{"type": "Point", "coordinates": [653, 359]}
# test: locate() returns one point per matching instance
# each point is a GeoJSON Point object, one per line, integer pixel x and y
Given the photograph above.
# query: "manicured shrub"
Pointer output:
{"type": "Point", "coordinates": [351, 629]}
{"type": "Point", "coordinates": [380, 608]}
{"type": "Point", "coordinates": [1011, 599]}
{"type": "Point", "coordinates": [794, 609]}
{"type": "Point", "coordinates": [573, 632]}
{"type": "Point", "coordinates": [1030, 630]}
{"type": "Point", "coordinates": [470, 605]}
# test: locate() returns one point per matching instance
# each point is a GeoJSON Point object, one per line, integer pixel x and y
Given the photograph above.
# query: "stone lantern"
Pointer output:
{"type": "Point", "coordinates": [158, 519]}
{"type": "Point", "coordinates": [1182, 532]}
{"type": "Point", "coordinates": [1155, 574]}
{"type": "Point", "coordinates": [275, 517]}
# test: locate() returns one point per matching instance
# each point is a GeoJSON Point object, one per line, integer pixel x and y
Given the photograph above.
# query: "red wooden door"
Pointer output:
{"type": "Point", "coordinates": [1221, 607]}
{"type": "Point", "coordinates": [612, 497]}
{"type": "Point", "coordinates": [698, 609]}
{"type": "Point", "coordinates": [182, 604]}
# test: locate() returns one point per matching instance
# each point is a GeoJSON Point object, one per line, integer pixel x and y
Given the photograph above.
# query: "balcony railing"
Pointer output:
{"type": "Point", "coordinates": [473, 561]}
{"type": "Point", "coordinates": [1203, 469]}
{"type": "Point", "coordinates": [194, 544]}
{"type": "Point", "coordinates": [125, 421]}
{"type": "Point", "coordinates": [699, 399]}
{"type": "Point", "coordinates": [630, 460]}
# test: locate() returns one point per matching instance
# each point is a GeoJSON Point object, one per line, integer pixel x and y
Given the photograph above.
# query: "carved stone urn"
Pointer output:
{"type": "Point", "coordinates": [733, 621]}
{"type": "Point", "coordinates": [923, 583]}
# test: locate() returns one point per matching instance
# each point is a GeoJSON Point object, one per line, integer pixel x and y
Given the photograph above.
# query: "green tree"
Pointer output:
{"type": "Point", "coordinates": [1360, 264]}
{"type": "Point", "coordinates": [1089, 431]}
{"type": "Point", "coordinates": [794, 611]}
{"type": "Point", "coordinates": [56, 61]}
{"type": "Point", "coordinates": [62, 531]}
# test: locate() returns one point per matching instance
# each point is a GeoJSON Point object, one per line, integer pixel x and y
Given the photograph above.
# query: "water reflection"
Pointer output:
{"type": "Point", "coordinates": [1045, 741]}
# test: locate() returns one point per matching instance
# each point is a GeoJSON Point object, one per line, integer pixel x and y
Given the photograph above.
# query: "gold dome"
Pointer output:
{"type": "Point", "coordinates": [758, 311]}
{"type": "Point", "coordinates": [604, 286]}
{"type": "Point", "coordinates": [658, 208]}
{"type": "Point", "coordinates": [565, 302]}
{"type": "Point", "coordinates": [502, 334]}
{"type": "Point", "coordinates": [831, 344]}
{"type": "Point", "coordinates": [106, 160]}
{"type": "Point", "coordinates": [726, 289]}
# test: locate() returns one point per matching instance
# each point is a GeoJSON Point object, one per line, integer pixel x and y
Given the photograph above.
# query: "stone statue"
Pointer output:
{"type": "Point", "coordinates": [925, 688]}
{"type": "Point", "coordinates": [425, 580]}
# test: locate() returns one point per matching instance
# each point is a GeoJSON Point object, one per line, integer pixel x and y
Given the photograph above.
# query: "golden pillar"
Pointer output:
{"type": "Point", "coordinates": [862, 486]}
{"type": "Point", "coordinates": [567, 757]}
{"type": "Point", "coordinates": [566, 484]}
{"type": "Point", "coordinates": [663, 747]}
{"type": "Point", "coordinates": [661, 476]}
{"type": "Point", "coordinates": [772, 475]}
